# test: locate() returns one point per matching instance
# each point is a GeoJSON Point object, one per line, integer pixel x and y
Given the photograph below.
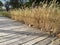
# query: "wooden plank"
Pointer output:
{"type": "Point", "coordinates": [23, 40]}
{"type": "Point", "coordinates": [9, 27]}
{"type": "Point", "coordinates": [55, 42]}
{"type": "Point", "coordinates": [45, 41]}
{"type": "Point", "coordinates": [9, 38]}
{"type": "Point", "coordinates": [35, 40]}
{"type": "Point", "coordinates": [7, 24]}
{"type": "Point", "coordinates": [10, 35]}
{"type": "Point", "coordinates": [3, 34]}
{"type": "Point", "coordinates": [12, 40]}
{"type": "Point", "coordinates": [16, 28]}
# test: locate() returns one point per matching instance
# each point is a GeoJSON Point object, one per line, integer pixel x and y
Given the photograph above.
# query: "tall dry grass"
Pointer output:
{"type": "Point", "coordinates": [45, 18]}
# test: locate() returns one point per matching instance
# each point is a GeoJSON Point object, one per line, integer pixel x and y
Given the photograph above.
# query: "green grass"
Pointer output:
{"type": "Point", "coordinates": [3, 13]}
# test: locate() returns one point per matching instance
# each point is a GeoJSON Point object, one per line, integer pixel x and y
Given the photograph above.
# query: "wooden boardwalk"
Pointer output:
{"type": "Point", "coordinates": [16, 33]}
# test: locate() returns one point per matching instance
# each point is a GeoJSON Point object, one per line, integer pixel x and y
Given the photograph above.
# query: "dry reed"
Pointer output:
{"type": "Point", "coordinates": [45, 18]}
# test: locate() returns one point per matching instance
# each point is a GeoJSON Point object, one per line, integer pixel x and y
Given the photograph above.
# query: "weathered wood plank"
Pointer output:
{"type": "Point", "coordinates": [12, 40]}
{"type": "Point", "coordinates": [55, 42]}
{"type": "Point", "coordinates": [3, 34]}
{"type": "Point", "coordinates": [8, 36]}
{"type": "Point", "coordinates": [46, 41]}
{"type": "Point", "coordinates": [24, 40]}
{"type": "Point", "coordinates": [35, 40]}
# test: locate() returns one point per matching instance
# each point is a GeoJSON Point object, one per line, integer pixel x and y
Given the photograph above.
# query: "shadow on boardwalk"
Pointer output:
{"type": "Point", "coordinates": [22, 32]}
